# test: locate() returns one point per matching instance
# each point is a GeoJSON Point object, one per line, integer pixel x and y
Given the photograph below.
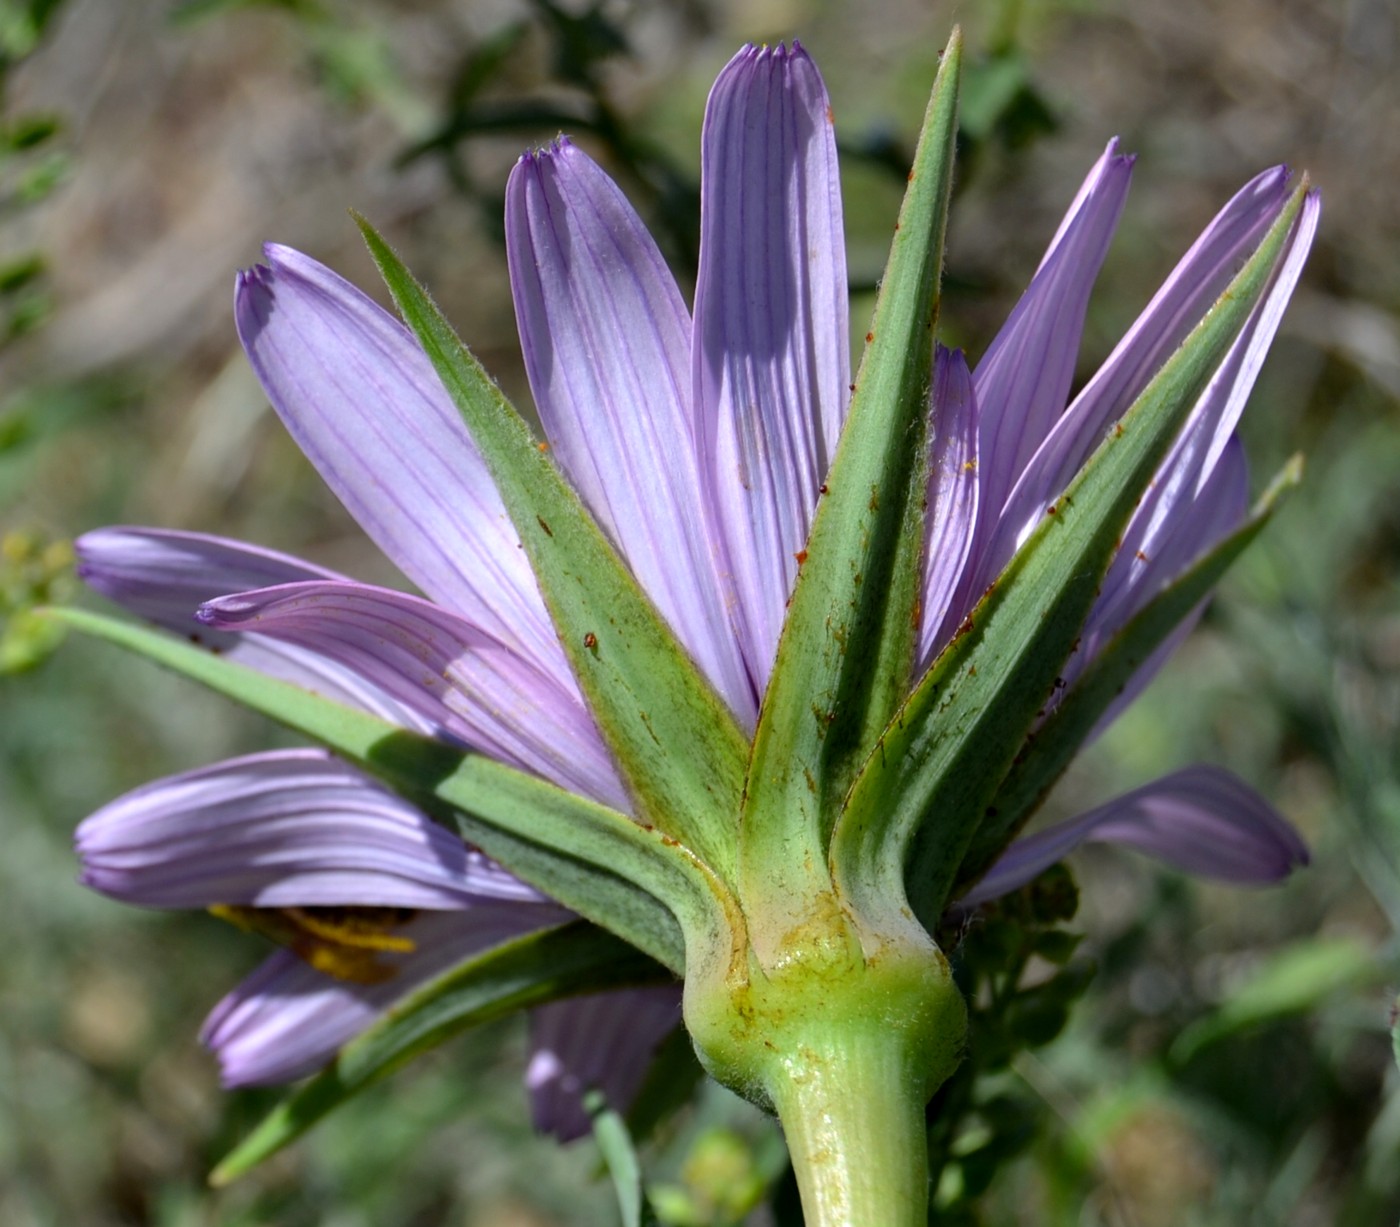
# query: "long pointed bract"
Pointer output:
{"type": "Point", "coordinates": [1097, 689]}
{"type": "Point", "coordinates": [847, 647]}
{"type": "Point", "coordinates": [677, 746]}
{"type": "Point", "coordinates": [926, 787]}
{"type": "Point", "coordinates": [627, 877]}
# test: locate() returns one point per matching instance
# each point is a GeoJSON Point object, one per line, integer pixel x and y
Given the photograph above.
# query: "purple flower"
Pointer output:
{"type": "Point", "coordinates": [700, 444]}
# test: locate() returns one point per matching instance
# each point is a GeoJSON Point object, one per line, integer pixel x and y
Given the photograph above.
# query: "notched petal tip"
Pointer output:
{"type": "Point", "coordinates": [541, 156]}
{"type": "Point", "coordinates": [89, 551]}
{"type": "Point", "coordinates": [773, 55]}
{"type": "Point", "coordinates": [222, 612]}
{"type": "Point", "coordinates": [253, 295]}
{"type": "Point", "coordinates": [253, 278]}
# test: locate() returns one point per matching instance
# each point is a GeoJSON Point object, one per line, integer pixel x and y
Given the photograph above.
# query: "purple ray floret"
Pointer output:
{"type": "Point", "coordinates": [1201, 819]}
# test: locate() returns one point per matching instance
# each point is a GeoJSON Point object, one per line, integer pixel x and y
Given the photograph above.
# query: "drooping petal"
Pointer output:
{"type": "Point", "coordinates": [363, 402]}
{"type": "Point", "coordinates": [291, 828]}
{"type": "Point", "coordinates": [1197, 281]}
{"type": "Point", "coordinates": [606, 339]}
{"type": "Point", "coordinates": [1202, 820]}
{"type": "Point", "coordinates": [165, 576]}
{"type": "Point", "coordinates": [952, 495]}
{"type": "Point", "coordinates": [604, 1042]}
{"type": "Point", "coordinates": [475, 688]}
{"type": "Point", "coordinates": [771, 357]}
{"type": "Point", "coordinates": [287, 1019]}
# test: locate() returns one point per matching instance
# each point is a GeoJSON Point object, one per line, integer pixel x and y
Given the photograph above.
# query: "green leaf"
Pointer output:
{"type": "Point", "coordinates": [1045, 757]}
{"type": "Point", "coordinates": [1291, 981]}
{"type": "Point", "coordinates": [844, 660]}
{"type": "Point", "coordinates": [615, 1145]}
{"type": "Point", "coordinates": [625, 876]}
{"type": "Point", "coordinates": [925, 789]}
{"type": "Point", "coordinates": [528, 971]}
{"type": "Point", "coordinates": [674, 740]}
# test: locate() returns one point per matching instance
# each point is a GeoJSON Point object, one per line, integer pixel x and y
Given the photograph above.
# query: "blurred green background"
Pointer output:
{"type": "Point", "coordinates": [1231, 1062]}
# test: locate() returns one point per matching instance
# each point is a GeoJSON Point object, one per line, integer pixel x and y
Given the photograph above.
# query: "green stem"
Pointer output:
{"type": "Point", "coordinates": [851, 1103]}
{"type": "Point", "coordinates": [846, 1038]}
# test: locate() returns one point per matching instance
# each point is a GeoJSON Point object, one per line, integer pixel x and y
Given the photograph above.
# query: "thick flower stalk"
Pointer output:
{"type": "Point", "coordinates": [756, 665]}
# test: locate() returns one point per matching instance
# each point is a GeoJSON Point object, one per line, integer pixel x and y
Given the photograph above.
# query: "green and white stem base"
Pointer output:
{"type": "Point", "coordinates": [846, 1042]}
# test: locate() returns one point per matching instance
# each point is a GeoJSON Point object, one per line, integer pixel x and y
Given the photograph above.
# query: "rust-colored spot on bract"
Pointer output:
{"type": "Point", "coordinates": [801, 557]}
{"type": "Point", "coordinates": [548, 532]}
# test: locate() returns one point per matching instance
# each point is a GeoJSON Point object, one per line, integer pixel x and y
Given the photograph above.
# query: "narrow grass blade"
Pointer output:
{"type": "Point", "coordinates": [620, 1155]}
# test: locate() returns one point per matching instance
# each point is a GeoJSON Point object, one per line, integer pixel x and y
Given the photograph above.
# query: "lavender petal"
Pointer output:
{"type": "Point", "coordinates": [475, 688]}
{"type": "Point", "coordinates": [1197, 281]}
{"type": "Point", "coordinates": [364, 403]}
{"type": "Point", "coordinates": [165, 576]}
{"type": "Point", "coordinates": [605, 1041]}
{"type": "Point", "coordinates": [1023, 379]}
{"type": "Point", "coordinates": [771, 352]}
{"type": "Point", "coordinates": [952, 496]}
{"type": "Point", "coordinates": [287, 1020]}
{"type": "Point", "coordinates": [291, 828]}
{"type": "Point", "coordinates": [1201, 820]}
{"type": "Point", "coordinates": [606, 339]}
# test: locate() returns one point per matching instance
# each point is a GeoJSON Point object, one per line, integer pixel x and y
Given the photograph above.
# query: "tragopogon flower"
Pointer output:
{"type": "Point", "coordinates": [699, 440]}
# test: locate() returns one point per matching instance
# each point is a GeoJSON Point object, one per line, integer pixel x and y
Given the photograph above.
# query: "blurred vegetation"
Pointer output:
{"type": "Point", "coordinates": [1229, 1061]}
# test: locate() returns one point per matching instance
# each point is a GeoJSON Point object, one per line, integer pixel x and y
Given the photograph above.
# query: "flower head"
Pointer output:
{"type": "Point", "coordinates": [699, 442]}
